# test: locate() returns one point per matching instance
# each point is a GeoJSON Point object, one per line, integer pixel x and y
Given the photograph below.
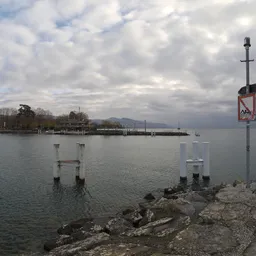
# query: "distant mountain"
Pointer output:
{"type": "Point", "coordinates": [130, 123]}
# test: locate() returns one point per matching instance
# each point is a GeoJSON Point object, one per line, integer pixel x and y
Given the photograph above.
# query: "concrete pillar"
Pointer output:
{"type": "Point", "coordinates": [56, 165]}
{"type": "Point", "coordinates": [82, 164]}
{"type": "Point", "coordinates": [206, 158]}
{"type": "Point", "coordinates": [195, 157]}
{"type": "Point", "coordinates": [78, 159]}
{"type": "Point", "coordinates": [183, 161]}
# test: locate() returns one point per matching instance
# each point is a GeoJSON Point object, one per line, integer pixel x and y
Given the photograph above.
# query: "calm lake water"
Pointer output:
{"type": "Point", "coordinates": [120, 171]}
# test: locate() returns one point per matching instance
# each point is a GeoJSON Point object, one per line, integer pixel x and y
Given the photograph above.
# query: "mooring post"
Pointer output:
{"type": "Point", "coordinates": [195, 157]}
{"type": "Point", "coordinates": [56, 165]}
{"type": "Point", "coordinates": [82, 163]}
{"type": "Point", "coordinates": [206, 159]}
{"type": "Point", "coordinates": [78, 160]}
{"type": "Point", "coordinates": [183, 161]}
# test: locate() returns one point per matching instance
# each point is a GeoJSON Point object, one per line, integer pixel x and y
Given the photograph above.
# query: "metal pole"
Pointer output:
{"type": "Point", "coordinates": [247, 45]}
{"type": "Point", "coordinates": [248, 122]}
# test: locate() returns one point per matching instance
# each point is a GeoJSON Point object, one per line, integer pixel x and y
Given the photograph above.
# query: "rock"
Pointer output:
{"type": "Point", "coordinates": [86, 224]}
{"type": "Point", "coordinates": [177, 189]}
{"type": "Point", "coordinates": [236, 182]}
{"type": "Point", "coordinates": [253, 187]}
{"type": "Point", "coordinates": [75, 248]}
{"type": "Point", "coordinates": [68, 229]}
{"type": "Point", "coordinates": [146, 205]}
{"type": "Point", "coordinates": [80, 235]}
{"type": "Point", "coordinates": [242, 233]}
{"type": "Point", "coordinates": [175, 206]}
{"type": "Point", "coordinates": [97, 229]}
{"type": "Point", "coordinates": [66, 239]}
{"type": "Point", "coordinates": [117, 226]}
{"type": "Point", "coordinates": [149, 197]}
{"type": "Point", "coordinates": [160, 228]}
{"type": "Point", "coordinates": [238, 194]}
{"type": "Point", "coordinates": [148, 229]}
{"type": "Point", "coordinates": [65, 230]}
{"type": "Point", "coordinates": [118, 249]}
{"type": "Point", "coordinates": [50, 245]}
{"type": "Point", "coordinates": [211, 239]}
{"type": "Point", "coordinates": [194, 197]}
{"type": "Point", "coordinates": [127, 211]}
{"type": "Point", "coordinates": [133, 217]}
{"type": "Point", "coordinates": [251, 249]}
{"type": "Point", "coordinates": [225, 212]}
{"type": "Point", "coordinates": [149, 216]}
{"type": "Point", "coordinates": [217, 188]}
{"type": "Point", "coordinates": [170, 196]}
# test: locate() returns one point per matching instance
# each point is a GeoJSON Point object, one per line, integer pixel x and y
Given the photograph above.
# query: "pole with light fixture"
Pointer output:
{"type": "Point", "coordinates": [247, 45]}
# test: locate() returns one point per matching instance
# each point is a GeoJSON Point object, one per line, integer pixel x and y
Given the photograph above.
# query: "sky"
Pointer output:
{"type": "Point", "coordinates": [161, 60]}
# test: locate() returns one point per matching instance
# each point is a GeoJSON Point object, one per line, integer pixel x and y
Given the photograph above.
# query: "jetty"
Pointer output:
{"type": "Point", "coordinates": [107, 132]}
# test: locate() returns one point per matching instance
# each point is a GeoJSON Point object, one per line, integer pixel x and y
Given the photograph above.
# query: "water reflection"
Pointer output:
{"type": "Point", "coordinates": [196, 184]}
{"type": "Point", "coordinates": [78, 190]}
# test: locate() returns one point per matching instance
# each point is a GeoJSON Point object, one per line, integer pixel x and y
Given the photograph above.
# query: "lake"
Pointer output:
{"type": "Point", "coordinates": [120, 171]}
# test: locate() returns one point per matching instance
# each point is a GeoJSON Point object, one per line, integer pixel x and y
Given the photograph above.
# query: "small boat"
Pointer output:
{"type": "Point", "coordinates": [197, 134]}
{"type": "Point", "coordinates": [178, 126]}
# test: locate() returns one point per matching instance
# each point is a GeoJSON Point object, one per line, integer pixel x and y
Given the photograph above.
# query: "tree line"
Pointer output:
{"type": "Point", "coordinates": [27, 118]}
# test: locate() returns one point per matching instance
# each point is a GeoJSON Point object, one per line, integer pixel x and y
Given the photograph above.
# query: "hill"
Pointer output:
{"type": "Point", "coordinates": [131, 123]}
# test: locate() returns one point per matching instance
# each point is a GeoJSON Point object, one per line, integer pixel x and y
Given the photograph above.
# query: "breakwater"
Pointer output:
{"type": "Point", "coordinates": [187, 221]}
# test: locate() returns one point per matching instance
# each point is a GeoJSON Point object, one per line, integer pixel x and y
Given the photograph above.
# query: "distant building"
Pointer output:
{"type": "Point", "coordinates": [73, 124]}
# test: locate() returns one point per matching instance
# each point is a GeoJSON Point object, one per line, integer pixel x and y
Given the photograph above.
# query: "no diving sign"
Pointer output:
{"type": "Point", "coordinates": [246, 107]}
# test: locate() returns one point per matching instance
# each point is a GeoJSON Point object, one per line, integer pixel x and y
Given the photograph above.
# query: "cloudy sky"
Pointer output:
{"type": "Point", "coordinates": [160, 60]}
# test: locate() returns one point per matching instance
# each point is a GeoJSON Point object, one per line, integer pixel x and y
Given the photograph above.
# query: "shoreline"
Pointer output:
{"type": "Point", "coordinates": [183, 220]}
{"type": "Point", "coordinates": [100, 132]}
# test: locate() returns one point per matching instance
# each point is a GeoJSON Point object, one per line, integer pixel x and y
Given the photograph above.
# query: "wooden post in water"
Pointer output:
{"type": "Point", "coordinates": [82, 163]}
{"type": "Point", "coordinates": [56, 165]}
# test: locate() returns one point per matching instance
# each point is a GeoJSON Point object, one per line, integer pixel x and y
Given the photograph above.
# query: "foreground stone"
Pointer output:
{"type": "Point", "coordinates": [209, 239]}
{"type": "Point", "coordinates": [219, 221]}
{"type": "Point", "coordinates": [75, 248]}
{"type": "Point", "coordinates": [120, 249]}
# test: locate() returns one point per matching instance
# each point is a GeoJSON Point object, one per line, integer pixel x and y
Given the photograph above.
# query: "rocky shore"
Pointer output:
{"type": "Point", "coordinates": [183, 221]}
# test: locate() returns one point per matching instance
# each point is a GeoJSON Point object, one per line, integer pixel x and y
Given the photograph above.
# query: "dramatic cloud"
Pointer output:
{"type": "Point", "coordinates": [159, 60]}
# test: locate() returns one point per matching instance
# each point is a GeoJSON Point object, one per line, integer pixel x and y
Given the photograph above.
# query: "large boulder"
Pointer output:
{"type": "Point", "coordinates": [178, 206]}
{"type": "Point", "coordinates": [66, 239]}
{"type": "Point", "coordinates": [80, 246]}
{"type": "Point", "coordinates": [117, 226]}
{"type": "Point", "coordinates": [148, 216]}
{"type": "Point", "coordinates": [160, 228]}
{"type": "Point", "coordinates": [219, 211]}
{"type": "Point", "coordinates": [65, 230]}
{"type": "Point", "coordinates": [149, 197]}
{"type": "Point", "coordinates": [238, 194]}
{"type": "Point", "coordinates": [133, 217]}
{"type": "Point", "coordinates": [124, 249]}
{"type": "Point", "coordinates": [84, 223]}
{"type": "Point", "coordinates": [177, 189]}
{"type": "Point", "coordinates": [207, 239]}
{"type": "Point", "coordinates": [150, 228]}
